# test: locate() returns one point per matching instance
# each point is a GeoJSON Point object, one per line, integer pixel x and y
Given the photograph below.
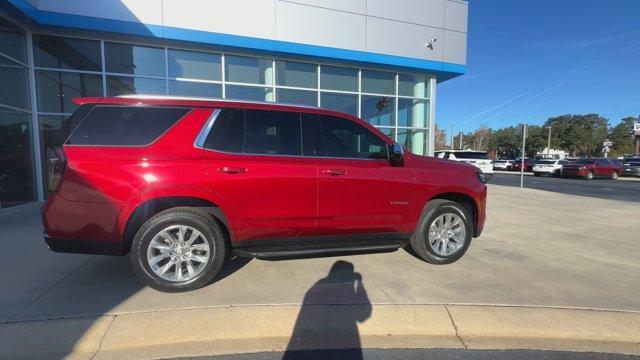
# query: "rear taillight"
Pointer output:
{"type": "Point", "coordinates": [56, 164]}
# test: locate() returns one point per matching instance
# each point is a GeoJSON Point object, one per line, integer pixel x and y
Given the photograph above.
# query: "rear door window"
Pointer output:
{"type": "Point", "coordinates": [256, 132]}
{"type": "Point", "coordinates": [125, 125]}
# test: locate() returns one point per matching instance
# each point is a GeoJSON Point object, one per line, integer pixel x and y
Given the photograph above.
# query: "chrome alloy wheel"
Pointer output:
{"type": "Point", "coordinates": [447, 234]}
{"type": "Point", "coordinates": [178, 253]}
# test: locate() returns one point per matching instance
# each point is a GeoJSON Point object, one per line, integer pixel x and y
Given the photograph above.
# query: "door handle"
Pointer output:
{"type": "Point", "coordinates": [334, 171]}
{"type": "Point", "coordinates": [232, 170]}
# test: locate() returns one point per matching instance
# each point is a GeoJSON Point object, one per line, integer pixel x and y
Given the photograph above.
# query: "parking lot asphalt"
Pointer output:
{"type": "Point", "coordinates": [541, 255]}
{"type": "Point", "coordinates": [623, 189]}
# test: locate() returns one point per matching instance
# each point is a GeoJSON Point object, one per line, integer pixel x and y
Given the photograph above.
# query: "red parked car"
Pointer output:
{"type": "Point", "coordinates": [593, 168]}
{"type": "Point", "coordinates": [528, 165]}
{"type": "Point", "coordinates": [183, 183]}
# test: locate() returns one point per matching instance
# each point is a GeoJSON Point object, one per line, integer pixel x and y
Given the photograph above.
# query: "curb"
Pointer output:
{"type": "Point", "coordinates": [244, 329]}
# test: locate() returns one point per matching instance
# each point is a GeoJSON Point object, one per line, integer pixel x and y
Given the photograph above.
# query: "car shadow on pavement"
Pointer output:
{"type": "Point", "coordinates": [329, 317]}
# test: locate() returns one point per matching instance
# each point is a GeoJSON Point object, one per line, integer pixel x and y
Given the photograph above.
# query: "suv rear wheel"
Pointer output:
{"type": "Point", "coordinates": [179, 249]}
{"type": "Point", "coordinates": [443, 233]}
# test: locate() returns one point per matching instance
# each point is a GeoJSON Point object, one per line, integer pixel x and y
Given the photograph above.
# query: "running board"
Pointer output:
{"type": "Point", "coordinates": [318, 249]}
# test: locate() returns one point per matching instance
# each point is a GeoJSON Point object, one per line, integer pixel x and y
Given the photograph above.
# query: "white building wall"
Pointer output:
{"type": "Point", "coordinates": [400, 27]}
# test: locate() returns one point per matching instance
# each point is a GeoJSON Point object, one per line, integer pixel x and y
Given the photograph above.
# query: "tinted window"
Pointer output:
{"type": "Point", "coordinates": [471, 155]}
{"type": "Point", "coordinates": [272, 132]}
{"type": "Point", "coordinates": [66, 53]}
{"type": "Point", "coordinates": [346, 139]}
{"type": "Point", "coordinates": [583, 161]}
{"type": "Point", "coordinates": [256, 132]}
{"type": "Point", "coordinates": [124, 126]}
{"type": "Point", "coordinates": [548, 162]}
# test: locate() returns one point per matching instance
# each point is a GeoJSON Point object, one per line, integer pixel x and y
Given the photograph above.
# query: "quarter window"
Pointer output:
{"type": "Point", "coordinates": [124, 126]}
{"type": "Point", "coordinates": [345, 139]}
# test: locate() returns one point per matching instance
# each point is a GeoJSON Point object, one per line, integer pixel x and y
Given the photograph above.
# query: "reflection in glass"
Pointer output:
{"type": "Point", "coordinates": [14, 84]}
{"type": "Point", "coordinates": [378, 110]}
{"type": "Point", "coordinates": [197, 89]}
{"type": "Point", "coordinates": [248, 70]}
{"type": "Point", "coordinates": [415, 140]}
{"type": "Point", "coordinates": [296, 74]}
{"type": "Point", "coordinates": [194, 65]}
{"type": "Point", "coordinates": [413, 113]}
{"type": "Point", "coordinates": [121, 85]}
{"type": "Point", "coordinates": [297, 97]}
{"type": "Point", "coordinates": [12, 41]}
{"type": "Point", "coordinates": [346, 103]}
{"type": "Point", "coordinates": [252, 93]}
{"type": "Point", "coordinates": [17, 184]}
{"type": "Point", "coordinates": [56, 90]}
{"type": "Point", "coordinates": [66, 53]}
{"type": "Point", "coordinates": [390, 132]}
{"type": "Point", "coordinates": [338, 78]}
{"type": "Point", "coordinates": [378, 82]}
{"type": "Point", "coordinates": [134, 59]}
{"type": "Point", "coordinates": [413, 85]}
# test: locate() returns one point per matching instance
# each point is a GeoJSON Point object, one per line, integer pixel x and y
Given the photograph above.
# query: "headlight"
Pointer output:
{"type": "Point", "coordinates": [481, 177]}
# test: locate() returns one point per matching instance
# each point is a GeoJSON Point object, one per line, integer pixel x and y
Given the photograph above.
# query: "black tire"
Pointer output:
{"type": "Point", "coordinates": [419, 240]}
{"type": "Point", "coordinates": [614, 175]}
{"type": "Point", "coordinates": [537, 174]}
{"type": "Point", "coordinates": [590, 176]}
{"type": "Point", "coordinates": [199, 220]}
{"type": "Point", "coordinates": [557, 173]}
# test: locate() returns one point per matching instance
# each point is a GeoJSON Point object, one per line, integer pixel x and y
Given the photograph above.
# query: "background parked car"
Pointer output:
{"type": "Point", "coordinates": [479, 159]}
{"type": "Point", "coordinates": [631, 167]}
{"type": "Point", "coordinates": [593, 168]}
{"type": "Point", "coordinates": [504, 165]}
{"type": "Point", "coordinates": [528, 164]}
{"type": "Point", "coordinates": [548, 167]}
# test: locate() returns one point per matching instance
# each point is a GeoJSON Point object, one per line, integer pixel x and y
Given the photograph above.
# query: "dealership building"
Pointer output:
{"type": "Point", "coordinates": [380, 60]}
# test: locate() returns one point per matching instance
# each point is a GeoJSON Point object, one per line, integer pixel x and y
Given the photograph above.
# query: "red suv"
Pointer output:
{"type": "Point", "coordinates": [183, 183]}
{"type": "Point", "coordinates": [593, 168]}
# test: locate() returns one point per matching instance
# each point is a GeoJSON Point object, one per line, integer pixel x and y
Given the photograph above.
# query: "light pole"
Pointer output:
{"type": "Point", "coordinates": [549, 141]}
{"type": "Point", "coordinates": [460, 147]}
{"type": "Point", "coordinates": [524, 136]}
{"type": "Point", "coordinates": [451, 123]}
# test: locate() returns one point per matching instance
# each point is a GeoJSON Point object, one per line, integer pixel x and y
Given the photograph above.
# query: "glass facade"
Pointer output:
{"type": "Point", "coordinates": [67, 67]}
{"type": "Point", "coordinates": [17, 170]}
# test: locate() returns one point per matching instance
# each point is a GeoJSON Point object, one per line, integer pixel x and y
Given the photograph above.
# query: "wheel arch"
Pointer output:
{"type": "Point", "coordinates": [466, 201]}
{"type": "Point", "coordinates": [147, 209]}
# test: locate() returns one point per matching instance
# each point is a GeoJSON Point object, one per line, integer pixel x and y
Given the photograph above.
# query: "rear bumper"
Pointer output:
{"type": "Point", "coordinates": [83, 247]}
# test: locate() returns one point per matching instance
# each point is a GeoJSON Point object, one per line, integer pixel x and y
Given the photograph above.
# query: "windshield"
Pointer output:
{"type": "Point", "coordinates": [471, 155]}
{"type": "Point", "coordinates": [550, 162]}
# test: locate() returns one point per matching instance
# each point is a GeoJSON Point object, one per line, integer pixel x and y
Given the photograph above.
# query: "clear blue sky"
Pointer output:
{"type": "Point", "coordinates": [530, 60]}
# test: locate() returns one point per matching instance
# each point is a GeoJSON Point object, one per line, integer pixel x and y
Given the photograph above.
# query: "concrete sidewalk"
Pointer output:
{"type": "Point", "coordinates": [543, 271]}
{"type": "Point", "coordinates": [261, 328]}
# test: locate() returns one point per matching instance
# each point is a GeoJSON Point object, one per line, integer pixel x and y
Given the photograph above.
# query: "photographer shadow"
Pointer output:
{"type": "Point", "coordinates": [329, 317]}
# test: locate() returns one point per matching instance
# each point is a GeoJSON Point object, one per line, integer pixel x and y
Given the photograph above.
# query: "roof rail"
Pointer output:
{"type": "Point", "coordinates": [189, 98]}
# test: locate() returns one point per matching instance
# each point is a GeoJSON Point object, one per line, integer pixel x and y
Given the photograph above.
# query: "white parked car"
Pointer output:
{"type": "Point", "coordinates": [504, 165]}
{"type": "Point", "coordinates": [478, 158]}
{"type": "Point", "coordinates": [548, 167]}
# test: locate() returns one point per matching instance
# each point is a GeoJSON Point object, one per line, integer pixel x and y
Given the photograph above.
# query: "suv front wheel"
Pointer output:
{"type": "Point", "coordinates": [179, 249]}
{"type": "Point", "coordinates": [443, 233]}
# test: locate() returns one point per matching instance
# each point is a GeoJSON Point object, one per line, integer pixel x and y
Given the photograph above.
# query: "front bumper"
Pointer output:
{"type": "Point", "coordinates": [631, 172]}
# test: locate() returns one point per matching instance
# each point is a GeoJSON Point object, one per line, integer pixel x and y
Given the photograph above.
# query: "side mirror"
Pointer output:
{"type": "Point", "coordinates": [397, 155]}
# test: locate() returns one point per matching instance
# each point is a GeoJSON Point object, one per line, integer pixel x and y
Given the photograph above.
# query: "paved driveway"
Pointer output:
{"type": "Point", "coordinates": [538, 249]}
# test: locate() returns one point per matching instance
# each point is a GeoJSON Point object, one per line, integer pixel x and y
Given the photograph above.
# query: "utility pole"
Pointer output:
{"type": "Point", "coordinates": [549, 141]}
{"type": "Point", "coordinates": [524, 136]}
{"type": "Point", "coordinates": [451, 123]}
{"type": "Point", "coordinates": [460, 147]}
